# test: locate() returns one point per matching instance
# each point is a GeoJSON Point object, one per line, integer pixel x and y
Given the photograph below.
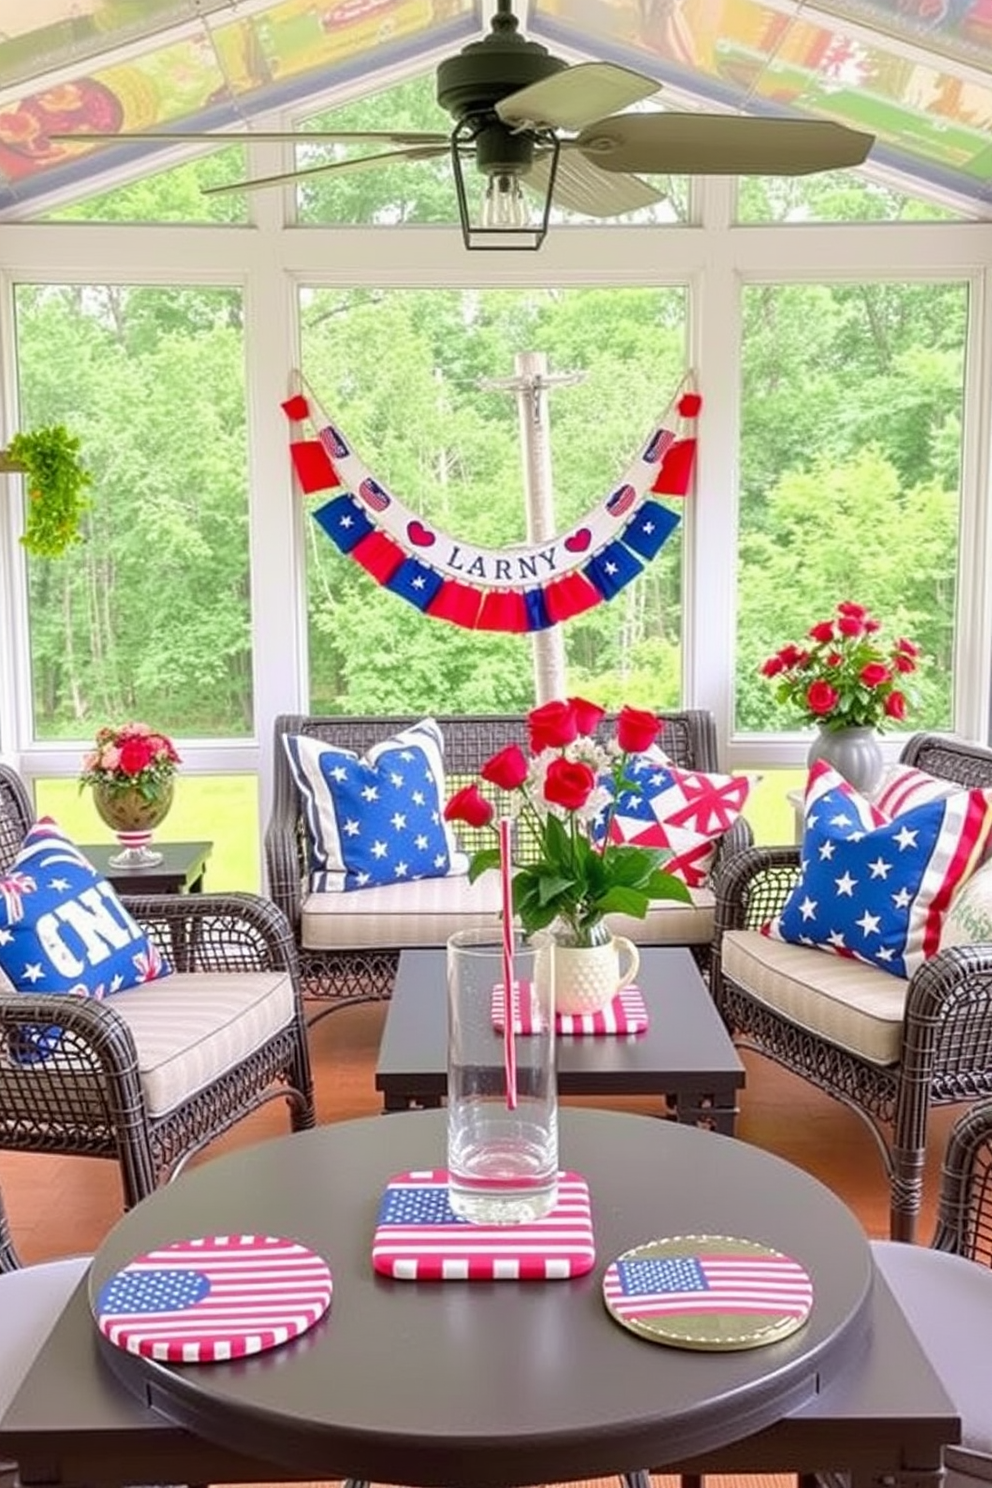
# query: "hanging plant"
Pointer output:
{"type": "Point", "coordinates": [56, 486]}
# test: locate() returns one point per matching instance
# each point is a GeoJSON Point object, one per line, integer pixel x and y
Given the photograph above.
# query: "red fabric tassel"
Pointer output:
{"type": "Point", "coordinates": [313, 467]}
{"type": "Point", "coordinates": [675, 475]}
{"type": "Point", "coordinates": [503, 610]}
{"type": "Point", "coordinates": [456, 602]}
{"type": "Point", "coordinates": [689, 405]}
{"type": "Point", "coordinates": [570, 596]}
{"type": "Point", "coordinates": [296, 408]}
{"type": "Point", "coordinates": [378, 555]}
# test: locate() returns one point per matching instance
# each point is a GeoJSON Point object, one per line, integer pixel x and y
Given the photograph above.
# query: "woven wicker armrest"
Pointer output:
{"type": "Point", "coordinates": [734, 841]}
{"type": "Point", "coordinates": [218, 932]}
{"type": "Point", "coordinates": [285, 852]}
{"type": "Point", "coordinates": [94, 1063]}
{"type": "Point", "coordinates": [752, 885]}
{"type": "Point", "coordinates": [948, 1024]}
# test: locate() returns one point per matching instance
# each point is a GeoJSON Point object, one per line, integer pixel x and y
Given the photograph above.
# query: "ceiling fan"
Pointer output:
{"type": "Point", "coordinates": [533, 122]}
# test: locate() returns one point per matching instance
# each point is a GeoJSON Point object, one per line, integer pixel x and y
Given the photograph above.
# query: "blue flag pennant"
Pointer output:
{"type": "Point", "coordinates": [612, 569]}
{"type": "Point", "coordinates": [650, 529]}
{"type": "Point", "coordinates": [344, 522]}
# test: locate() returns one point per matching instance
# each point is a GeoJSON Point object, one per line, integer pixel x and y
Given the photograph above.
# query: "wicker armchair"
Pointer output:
{"type": "Point", "coordinates": [943, 1029]}
{"type": "Point", "coordinates": [152, 1075]}
{"type": "Point", "coordinates": [947, 1298]}
{"type": "Point", "coordinates": [363, 968]}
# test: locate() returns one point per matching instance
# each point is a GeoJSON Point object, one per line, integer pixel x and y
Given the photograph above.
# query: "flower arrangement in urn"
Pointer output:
{"type": "Point", "coordinates": [132, 771]}
{"type": "Point", "coordinates": [841, 676]}
{"type": "Point", "coordinates": [563, 796]}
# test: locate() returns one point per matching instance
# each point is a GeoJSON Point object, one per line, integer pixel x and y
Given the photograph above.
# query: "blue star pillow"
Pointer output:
{"type": "Point", "coordinates": [375, 819]}
{"type": "Point", "coordinates": [62, 926]}
{"type": "Point", "coordinates": [878, 888]}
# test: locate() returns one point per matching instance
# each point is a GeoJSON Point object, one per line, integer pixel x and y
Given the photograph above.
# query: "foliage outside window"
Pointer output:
{"type": "Point", "coordinates": [151, 618]}
{"type": "Point", "coordinates": [173, 195]}
{"type": "Point", "coordinates": [422, 191]}
{"type": "Point", "coordinates": [832, 196]}
{"type": "Point", "coordinates": [402, 372]}
{"type": "Point", "coordinates": [850, 471]}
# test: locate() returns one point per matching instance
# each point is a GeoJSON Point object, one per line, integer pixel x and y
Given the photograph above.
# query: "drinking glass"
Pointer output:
{"type": "Point", "coordinates": [502, 1126]}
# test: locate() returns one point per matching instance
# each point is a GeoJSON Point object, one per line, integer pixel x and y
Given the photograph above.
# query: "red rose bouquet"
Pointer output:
{"type": "Point", "coordinates": [841, 676]}
{"type": "Point", "coordinates": [132, 757]}
{"type": "Point", "coordinates": [562, 796]}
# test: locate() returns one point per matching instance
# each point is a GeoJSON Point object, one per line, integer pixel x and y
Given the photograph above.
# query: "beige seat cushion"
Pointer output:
{"type": "Point", "coordinates": [842, 1000]}
{"type": "Point", "coordinates": [189, 1028]}
{"type": "Point", "coordinates": [426, 912]}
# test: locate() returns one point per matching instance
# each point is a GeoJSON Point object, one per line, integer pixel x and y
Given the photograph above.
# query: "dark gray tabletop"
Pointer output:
{"type": "Point", "coordinates": [506, 1382]}
{"type": "Point", "coordinates": [684, 1044]}
{"type": "Point", "coordinates": [182, 867]}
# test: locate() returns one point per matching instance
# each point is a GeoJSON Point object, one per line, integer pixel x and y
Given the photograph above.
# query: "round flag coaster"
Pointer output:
{"type": "Point", "coordinates": [708, 1292]}
{"type": "Point", "coordinates": [220, 1297]}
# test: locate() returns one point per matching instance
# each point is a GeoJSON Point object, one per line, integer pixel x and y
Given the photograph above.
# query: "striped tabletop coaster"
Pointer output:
{"type": "Point", "coordinates": [220, 1297]}
{"type": "Point", "coordinates": [626, 1014]}
{"type": "Point", "coordinates": [418, 1236]}
{"type": "Point", "coordinates": [708, 1292]}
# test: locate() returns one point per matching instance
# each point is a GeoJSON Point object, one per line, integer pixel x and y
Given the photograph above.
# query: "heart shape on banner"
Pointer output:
{"type": "Point", "coordinates": [419, 535]}
{"type": "Point", "coordinates": [577, 542]}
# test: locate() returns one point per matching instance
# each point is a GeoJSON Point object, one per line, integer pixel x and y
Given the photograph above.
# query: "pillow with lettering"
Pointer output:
{"type": "Point", "coordinates": [879, 889]}
{"type": "Point", "coordinates": [969, 919]}
{"type": "Point", "coordinates": [375, 819]}
{"type": "Point", "coordinates": [62, 926]}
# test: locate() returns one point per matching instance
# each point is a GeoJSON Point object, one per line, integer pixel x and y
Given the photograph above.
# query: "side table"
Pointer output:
{"type": "Point", "coordinates": [180, 871]}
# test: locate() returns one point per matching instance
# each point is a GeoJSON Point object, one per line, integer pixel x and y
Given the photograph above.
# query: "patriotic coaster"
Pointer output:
{"type": "Point", "coordinates": [418, 1236]}
{"type": "Point", "coordinates": [626, 1014]}
{"type": "Point", "coordinates": [222, 1297]}
{"type": "Point", "coordinates": [708, 1292]}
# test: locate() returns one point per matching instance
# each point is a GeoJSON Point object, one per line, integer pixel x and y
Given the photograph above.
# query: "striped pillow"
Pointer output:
{"type": "Point", "coordinates": [878, 889]}
{"type": "Point", "coordinates": [375, 819]}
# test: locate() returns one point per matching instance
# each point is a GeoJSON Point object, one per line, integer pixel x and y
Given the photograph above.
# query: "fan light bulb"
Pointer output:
{"type": "Point", "coordinates": [504, 205]}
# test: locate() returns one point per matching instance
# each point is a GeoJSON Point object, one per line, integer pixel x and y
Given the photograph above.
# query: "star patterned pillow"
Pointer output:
{"type": "Point", "coordinates": [62, 926]}
{"type": "Point", "coordinates": [685, 811]}
{"type": "Point", "coordinates": [377, 819]}
{"type": "Point", "coordinates": [878, 888]}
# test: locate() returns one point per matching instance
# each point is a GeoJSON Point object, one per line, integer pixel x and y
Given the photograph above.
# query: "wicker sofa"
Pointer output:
{"type": "Point", "coordinates": [888, 1048]}
{"type": "Point", "coordinates": [349, 944]}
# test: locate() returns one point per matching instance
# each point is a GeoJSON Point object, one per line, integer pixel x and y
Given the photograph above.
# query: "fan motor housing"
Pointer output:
{"type": "Point", "coordinates": [484, 72]}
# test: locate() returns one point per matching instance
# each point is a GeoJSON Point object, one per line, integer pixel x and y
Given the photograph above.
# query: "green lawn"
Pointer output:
{"type": "Point", "coordinates": [224, 810]}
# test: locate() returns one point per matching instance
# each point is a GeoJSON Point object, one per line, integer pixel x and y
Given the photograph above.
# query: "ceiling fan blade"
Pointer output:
{"type": "Point", "coordinates": [248, 136]}
{"type": "Point", "coordinates": [576, 96]}
{"type": "Point", "coordinates": [333, 167]}
{"type": "Point", "coordinates": [580, 186]}
{"type": "Point", "coordinates": [721, 144]}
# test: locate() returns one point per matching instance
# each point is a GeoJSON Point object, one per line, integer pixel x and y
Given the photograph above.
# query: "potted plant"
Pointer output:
{"type": "Point", "coordinates": [56, 484]}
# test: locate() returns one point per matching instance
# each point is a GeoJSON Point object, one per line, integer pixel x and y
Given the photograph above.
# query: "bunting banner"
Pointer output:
{"type": "Point", "coordinates": [521, 588]}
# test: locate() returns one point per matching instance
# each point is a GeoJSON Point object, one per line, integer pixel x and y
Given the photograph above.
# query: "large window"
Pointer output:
{"type": "Point", "coordinates": [409, 377]}
{"type": "Point", "coordinates": [149, 616]}
{"type": "Point", "coordinates": [850, 474]}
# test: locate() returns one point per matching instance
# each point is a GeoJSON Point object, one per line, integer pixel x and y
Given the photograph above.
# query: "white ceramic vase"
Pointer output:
{"type": "Point", "coordinates": [586, 978]}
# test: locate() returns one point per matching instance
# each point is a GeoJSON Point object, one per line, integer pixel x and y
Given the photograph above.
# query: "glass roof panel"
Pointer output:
{"type": "Point", "coordinates": [202, 64]}
{"type": "Point", "coordinates": [930, 116]}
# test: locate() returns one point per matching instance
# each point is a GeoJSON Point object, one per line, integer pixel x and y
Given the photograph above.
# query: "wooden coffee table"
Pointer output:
{"type": "Point", "coordinates": [684, 1056]}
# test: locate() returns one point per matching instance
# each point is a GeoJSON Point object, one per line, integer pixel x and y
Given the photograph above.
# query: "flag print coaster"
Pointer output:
{"type": "Point", "coordinates": [708, 1292]}
{"type": "Point", "coordinates": [625, 1015]}
{"type": "Point", "coordinates": [220, 1297]}
{"type": "Point", "coordinates": [418, 1236]}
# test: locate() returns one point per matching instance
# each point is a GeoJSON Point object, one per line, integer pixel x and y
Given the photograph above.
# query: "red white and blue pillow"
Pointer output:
{"type": "Point", "coordinates": [684, 811]}
{"type": "Point", "coordinates": [62, 926]}
{"type": "Point", "coordinates": [877, 888]}
{"type": "Point", "coordinates": [375, 819]}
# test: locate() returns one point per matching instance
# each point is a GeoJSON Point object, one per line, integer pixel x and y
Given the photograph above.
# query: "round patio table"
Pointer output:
{"type": "Point", "coordinates": [496, 1383]}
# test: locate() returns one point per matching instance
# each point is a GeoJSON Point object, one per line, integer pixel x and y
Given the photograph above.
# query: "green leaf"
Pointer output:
{"type": "Point", "coordinates": [666, 886]}
{"type": "Point", "coordinates": [621, 900]}
{"type": "Point", "coordinates": [482, 861]}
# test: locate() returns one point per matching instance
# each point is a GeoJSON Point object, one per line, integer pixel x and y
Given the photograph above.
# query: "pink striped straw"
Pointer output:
{"type": "Point", "coordinates": [505, 829]}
